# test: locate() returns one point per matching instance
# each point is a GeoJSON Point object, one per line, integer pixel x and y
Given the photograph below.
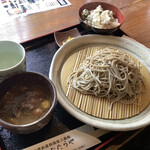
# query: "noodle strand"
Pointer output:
{"type": "Point", "coordinates": [110, 74]}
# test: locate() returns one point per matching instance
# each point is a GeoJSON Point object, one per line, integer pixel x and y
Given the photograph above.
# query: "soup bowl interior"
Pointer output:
{"type": "Point", "coordinates": [33, 79]}
{"type": "Point", "coordinates": [93, 5]}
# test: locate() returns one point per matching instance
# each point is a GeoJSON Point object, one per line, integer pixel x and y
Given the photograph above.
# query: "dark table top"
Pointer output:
{"type": "Point", "coordinates": [39, 54]}
{"type": "Point", "coordinates": [38, 59]}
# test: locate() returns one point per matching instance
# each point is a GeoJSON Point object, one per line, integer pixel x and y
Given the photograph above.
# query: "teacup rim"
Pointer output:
{"type": "Point", "coordinates": [24, 55]}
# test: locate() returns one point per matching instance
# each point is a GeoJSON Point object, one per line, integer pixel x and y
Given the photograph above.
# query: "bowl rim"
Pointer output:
{"type": "Point", "coordinates": [135, 122]}
{"type": "Point", "coordinates": [99, 3]}
{"type": "Point", "coordinates": [21, 60]}
{"type": "Point", "coordinates": [51, 109]}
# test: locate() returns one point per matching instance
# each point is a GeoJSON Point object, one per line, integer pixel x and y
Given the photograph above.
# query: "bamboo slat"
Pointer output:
{"type": "Point", "coordinates": [99, 107]}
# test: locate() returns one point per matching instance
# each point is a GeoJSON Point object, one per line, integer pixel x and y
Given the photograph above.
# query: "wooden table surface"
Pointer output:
{"type": "Point", "coordinates": [137, 21]}
{"type": "Point", "coordinates": [24, 29]}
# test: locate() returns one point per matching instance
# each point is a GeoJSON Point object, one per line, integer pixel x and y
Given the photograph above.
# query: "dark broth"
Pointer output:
{"type": "Point", "coordinates": [24, 104]}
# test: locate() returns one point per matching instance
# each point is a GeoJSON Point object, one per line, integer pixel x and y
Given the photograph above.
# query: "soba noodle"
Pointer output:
{"type": "Point", "coordinates": [110, 74]}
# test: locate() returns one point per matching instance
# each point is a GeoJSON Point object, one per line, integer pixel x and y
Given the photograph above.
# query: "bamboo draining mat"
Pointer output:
{"type": "Point", "coordinates": [96, 106]}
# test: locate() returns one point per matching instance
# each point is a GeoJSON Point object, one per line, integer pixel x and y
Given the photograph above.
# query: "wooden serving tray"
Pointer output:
{"type": "Point", "coordinates": [100, 107]}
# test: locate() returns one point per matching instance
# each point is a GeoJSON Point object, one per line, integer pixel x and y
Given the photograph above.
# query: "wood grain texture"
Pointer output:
{"type": "Point", "coordinates": [137, 22]}
{"type": "Point", "coordinates": [37, 25]}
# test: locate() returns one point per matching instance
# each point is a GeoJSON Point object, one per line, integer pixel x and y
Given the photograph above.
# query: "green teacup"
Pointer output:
{"type": "Point", "coordinates": [12, 58]}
